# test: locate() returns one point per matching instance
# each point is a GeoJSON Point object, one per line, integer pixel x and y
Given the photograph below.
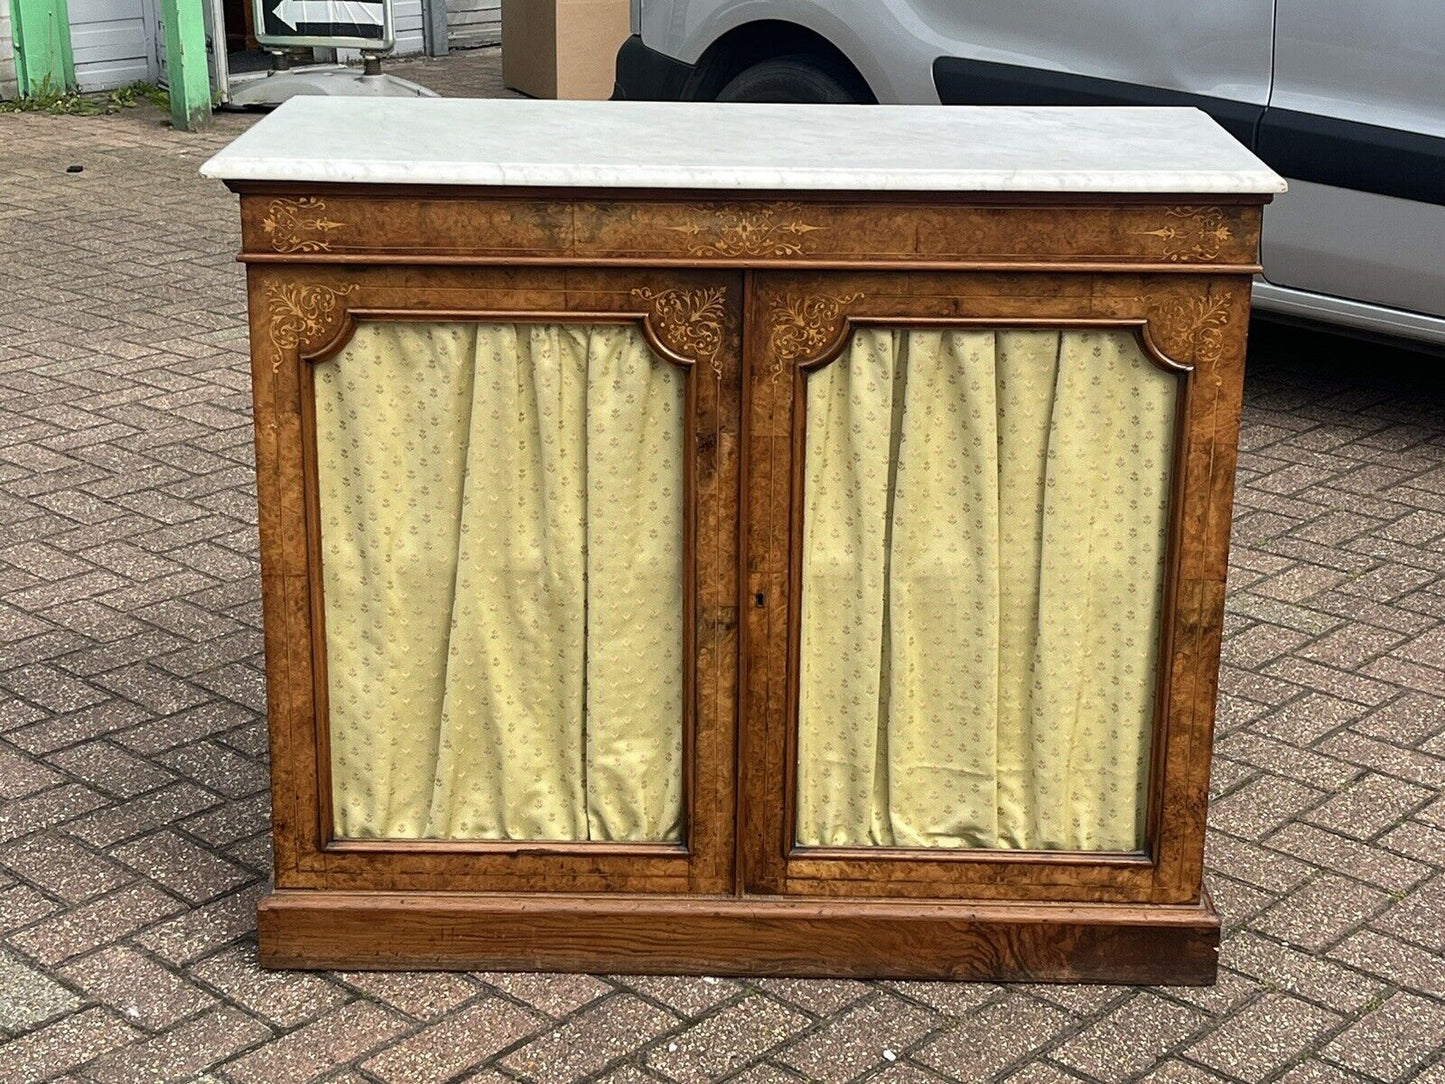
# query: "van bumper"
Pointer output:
{"type": "Point", "coordinates": [645, 75]}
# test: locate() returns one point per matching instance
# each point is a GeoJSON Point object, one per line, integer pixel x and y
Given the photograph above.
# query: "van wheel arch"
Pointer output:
{"type": "Point", "coordinates": [777, 44]}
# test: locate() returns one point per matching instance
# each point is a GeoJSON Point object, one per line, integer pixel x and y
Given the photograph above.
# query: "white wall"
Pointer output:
{"type": "Point", "coordinates": [473, 22]}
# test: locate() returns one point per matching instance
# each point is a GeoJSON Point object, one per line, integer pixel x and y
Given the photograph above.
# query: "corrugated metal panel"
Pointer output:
{"type": "Point", "coordinates": [406, 20]}
{"type": "Point", "coordinates": [8, 89]}
{"type": "Point", "coordinates": [113, 42]}
{"type": "Point", "coordinates": [474, 22]}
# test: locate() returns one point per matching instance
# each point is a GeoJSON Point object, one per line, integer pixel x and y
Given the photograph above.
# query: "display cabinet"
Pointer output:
{"type": "Point", "coordinates": [773, 540]}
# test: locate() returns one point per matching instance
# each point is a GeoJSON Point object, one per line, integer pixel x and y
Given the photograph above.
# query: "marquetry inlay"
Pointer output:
{"type": "Point", "coordinates": [299, 225]}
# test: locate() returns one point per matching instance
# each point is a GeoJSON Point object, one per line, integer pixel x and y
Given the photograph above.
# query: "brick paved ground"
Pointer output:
{"type": "Point", "coordinates": [132, 754]}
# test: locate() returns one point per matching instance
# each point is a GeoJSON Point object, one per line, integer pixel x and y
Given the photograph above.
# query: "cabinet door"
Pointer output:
{"type": "Point", "coordinates": [987, 520]}
{"type": "Point", "coordinates": [500, 551]}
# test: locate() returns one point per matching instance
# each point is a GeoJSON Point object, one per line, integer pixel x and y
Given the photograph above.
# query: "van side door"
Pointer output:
{"type": "Point", "coordinates": [1356, 121]}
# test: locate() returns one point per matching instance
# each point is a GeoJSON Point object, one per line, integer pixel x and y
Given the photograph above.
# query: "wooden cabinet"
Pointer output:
{"type": "Point", "coordinates": [810, 580]}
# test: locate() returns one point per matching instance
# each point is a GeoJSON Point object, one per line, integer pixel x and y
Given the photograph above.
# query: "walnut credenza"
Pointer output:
{"type": "Point", "coordinates": [755, 540]}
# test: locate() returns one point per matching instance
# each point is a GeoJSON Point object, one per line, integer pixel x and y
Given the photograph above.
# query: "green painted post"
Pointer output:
{"type": "Point", "coordinates": [187, 72]}
{"type": "Point", "coordinates": [41, 32]}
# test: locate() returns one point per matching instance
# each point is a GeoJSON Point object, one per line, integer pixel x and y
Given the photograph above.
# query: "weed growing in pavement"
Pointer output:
{"type": "Point", "coordinates": [74, 104]}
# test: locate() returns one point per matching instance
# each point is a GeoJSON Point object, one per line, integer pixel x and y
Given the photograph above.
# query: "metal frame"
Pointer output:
{"type": "Point", "coordinates": [383, 44]}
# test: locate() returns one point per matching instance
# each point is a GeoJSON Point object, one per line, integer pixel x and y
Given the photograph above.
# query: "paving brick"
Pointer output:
{"type": "Point", "coordinates": [146, 992]}
{"type": "Point", "coordinates": [109, 768]}
{"type": "Point", "coordinates": [197, 932]}
{"type": "Point", "coordinates": [1265, 1038]}
{"type": "Point", "coordinates": [20, 905]}
{"type": "Point", "coordinates": [1407, 764]}
{"type": "Point", "coordinates": [1349, 857]}
{"type": "Point", "coordinates": [1300, 973]}
{"type": "Point", "coordinates": [1262, 806]}
{"type": "Point", "coordinates": [1236, 903]}
{"type": "Point", "coordinates": [54, 732]}
{"type": "Point", "coordinates": [283, 999]}
{"type": "Point", "coordinates": [859, 1039]}
{"type": "Point", "coordinates": [182, 867]}
{"type": "Point", "coordinates": [905, 1073]}
{"type": "Point", "coordinates": [1406, 720]}
{"type": "Point", "coordinates": [1322, 912]}
{"type": "Point", "coordinates": [461, 1041]}
{"type": "Point", "coordinates": [692, 996]}
{"type": "Point", "coordinates": [993, 1039]}
{"type": "Point", "coordinates": [814, 997]}
{"type": "Point", "coordinates": [1424, 842]}
{"type": "Point", "coordinates": [556, 995]}
{"type": "Point", "coordinates": [1304, 721]}
{"type": "Point", "coordinates": [21, 775]}
{"type": "Point", "coordinates": [1130, 1038]}
{"type": "Point", "coordinates": [157, 809]}
{"type": "Point", "coordinates": [96, 923]}
{"type": "Point", "coordinates": [1314, 1071]}
{"type": "Point", "coordinates": [63, 867]}
{"type": "Point", "coordinates": [62, 1045]}
{"type": "Point", "coordinates": [1417, 917]}
{"type": "Point", "coordinates": [30, 997]}
{"type": "Point", "coordinates": [726, 1041]}
{"type": "Point", "coordinates": [1040, 1072]}
{"type": "Point", "coordinates": [1231, 992]}
{"type": "Point", "coordinates": [1390, 1042]}
{"type": "Point", "coordinates": [1173, 1071]}
{"type": "Point", "coordinates": [1254, 865]}
{"type": "Point", "coordinates": [182, 1052]}
{"type": "Point", "coordinates": [591, 1040]}
{"type": "Point", "coordinates": [424, 996]}
{"type": "Point", "coordinates": [46, 809]}
{"type": "Point", "coordinates": [310, 1051]}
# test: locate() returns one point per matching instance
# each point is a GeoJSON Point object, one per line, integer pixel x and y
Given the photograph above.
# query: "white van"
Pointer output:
{"type": "Point", "coordinates": [1347, 100]}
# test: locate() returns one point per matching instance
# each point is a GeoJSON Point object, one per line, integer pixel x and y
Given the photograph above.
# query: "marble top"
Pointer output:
{"type": "Point", "coordinates": [708, 145]}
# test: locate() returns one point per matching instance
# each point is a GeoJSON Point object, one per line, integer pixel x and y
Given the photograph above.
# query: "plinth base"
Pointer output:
{"type": "Point", "coordinates": [760, 936]}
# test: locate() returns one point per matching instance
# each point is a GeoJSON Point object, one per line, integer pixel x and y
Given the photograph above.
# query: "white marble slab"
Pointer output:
{"type": "Point", "coordinates": [724, 146]}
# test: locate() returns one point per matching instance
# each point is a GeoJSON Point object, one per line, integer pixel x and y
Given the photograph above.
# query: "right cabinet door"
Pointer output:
{"type": "Point", "coordinates": [972, 671]}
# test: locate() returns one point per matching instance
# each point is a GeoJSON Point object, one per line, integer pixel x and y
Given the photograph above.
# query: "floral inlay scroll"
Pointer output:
{"type": "Point", "coordinates": [1197, 233]}
{"type": "Point", "coordinates": [1199, 322]}
{"type": "Point", "coordinates": [690, 323]}
{"type": "Point", "coordinates": [768, 230]}
{"type": "Point", "coordinates": [299, 225]}
{"type": "Point", "coordinates": [302, 314]}
{"type": "Point", "coordinates": [801, 325]}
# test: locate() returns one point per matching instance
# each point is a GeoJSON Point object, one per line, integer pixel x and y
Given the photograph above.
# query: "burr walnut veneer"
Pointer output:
{"type": "Point", "coordinates": [752, 251]}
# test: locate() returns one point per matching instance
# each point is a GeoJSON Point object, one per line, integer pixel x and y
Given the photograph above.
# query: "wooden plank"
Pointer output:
{"type": "Point", "coordinates": [814, 938]}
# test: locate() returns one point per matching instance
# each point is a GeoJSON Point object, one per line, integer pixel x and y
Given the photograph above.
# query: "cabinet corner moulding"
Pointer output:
{"type": "Point", "coordinates": [805, 328]}
{"type": "Point", "coordinates": [305, 316]}
{"type": "Point", "coordinates": [688, 324]}
{"type": "Point", "coordinates": [1198, 324]}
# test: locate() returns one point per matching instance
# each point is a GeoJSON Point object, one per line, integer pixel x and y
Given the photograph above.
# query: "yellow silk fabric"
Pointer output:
{"type": "Point", "coordinates": [502, 511]}
{"type": "Point", "coordinates": [985, 520]}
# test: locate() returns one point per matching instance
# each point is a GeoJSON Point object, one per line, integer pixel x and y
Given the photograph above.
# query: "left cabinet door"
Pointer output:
{"type": "Point", "coordinates": [499, 549]}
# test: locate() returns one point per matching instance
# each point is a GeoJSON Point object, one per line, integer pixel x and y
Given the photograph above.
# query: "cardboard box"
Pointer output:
{"type": "Point", "coordinates": [563, 48]}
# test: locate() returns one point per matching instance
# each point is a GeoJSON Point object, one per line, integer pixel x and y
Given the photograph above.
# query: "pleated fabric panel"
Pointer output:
{"type": "Point", "coordinates": [502, 560]}
{"type": "Point", "coordinates": [985, 519]}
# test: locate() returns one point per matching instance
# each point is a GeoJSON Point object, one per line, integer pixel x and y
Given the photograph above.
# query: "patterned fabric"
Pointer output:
{"type": "Point", "coordinates": [985, 519]}
{"type": "Point", "coordinates": [502, 513]}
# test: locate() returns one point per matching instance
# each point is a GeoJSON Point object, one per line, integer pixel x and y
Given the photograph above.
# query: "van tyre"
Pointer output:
{"type": "Point", "coordinates": [794, 79]}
